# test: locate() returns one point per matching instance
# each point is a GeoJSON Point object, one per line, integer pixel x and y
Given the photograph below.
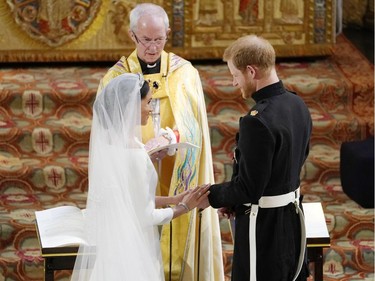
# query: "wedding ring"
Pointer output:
{"type": "Point", "coordinates": [199, 193]}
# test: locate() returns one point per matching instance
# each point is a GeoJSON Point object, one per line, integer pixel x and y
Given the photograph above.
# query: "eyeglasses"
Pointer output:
{"type": "Point", "coordinates": [147, 42]}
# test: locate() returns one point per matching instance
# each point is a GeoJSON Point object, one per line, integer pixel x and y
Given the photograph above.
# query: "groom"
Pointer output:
{"type": "Point", "coordinates": [264, 193]}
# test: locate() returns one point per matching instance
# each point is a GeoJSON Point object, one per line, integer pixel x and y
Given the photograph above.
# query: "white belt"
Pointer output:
{"type": "Point", "coordinates": [274, 202]}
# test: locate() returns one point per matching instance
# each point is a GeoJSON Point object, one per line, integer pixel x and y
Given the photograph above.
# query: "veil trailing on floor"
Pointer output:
{"type": "Point", "coordinates": [117, 215]}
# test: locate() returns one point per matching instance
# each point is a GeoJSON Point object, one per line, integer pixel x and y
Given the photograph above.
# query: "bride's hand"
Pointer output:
{"type": "Point", "coordinates": [179, 197]}
{"type": "Point", "coordinates": [196, 196]}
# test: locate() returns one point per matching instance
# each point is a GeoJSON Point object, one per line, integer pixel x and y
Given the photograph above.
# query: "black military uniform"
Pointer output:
{"type": "Point", "coordinates": [272, 146]}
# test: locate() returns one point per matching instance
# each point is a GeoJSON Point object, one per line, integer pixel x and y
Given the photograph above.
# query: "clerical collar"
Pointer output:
{"type": "Point", "coordinates": [150, 69]}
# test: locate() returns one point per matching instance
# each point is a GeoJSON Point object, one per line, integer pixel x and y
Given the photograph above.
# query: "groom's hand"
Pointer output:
{"type": "Point", "coordinates": [203, 204]}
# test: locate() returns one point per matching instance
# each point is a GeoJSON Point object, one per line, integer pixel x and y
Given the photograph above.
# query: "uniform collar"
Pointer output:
{"type": "Point", "coordinates": [274, 89]}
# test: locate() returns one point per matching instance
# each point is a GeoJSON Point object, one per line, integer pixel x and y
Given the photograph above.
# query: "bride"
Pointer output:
{"type": "Point", "coordinates": [121, 216]}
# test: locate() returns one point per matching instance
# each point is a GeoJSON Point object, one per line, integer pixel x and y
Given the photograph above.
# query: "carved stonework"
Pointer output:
{"type": "Point", "coordinates": [54, 22]}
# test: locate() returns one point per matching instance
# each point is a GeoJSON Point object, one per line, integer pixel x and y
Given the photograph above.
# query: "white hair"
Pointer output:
{"type": "Point", "coordinates": [147, 9]}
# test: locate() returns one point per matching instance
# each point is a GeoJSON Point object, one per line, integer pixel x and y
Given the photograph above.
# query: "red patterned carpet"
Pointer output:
{"type": "Point", "coordinates": [45, 117]}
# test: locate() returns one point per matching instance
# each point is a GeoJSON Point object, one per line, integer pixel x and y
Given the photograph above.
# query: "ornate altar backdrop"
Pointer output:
{"type": "Point", "coordinates": [96, 30]}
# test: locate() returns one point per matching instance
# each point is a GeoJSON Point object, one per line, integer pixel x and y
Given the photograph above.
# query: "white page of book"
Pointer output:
{"type": "Point", "coordinates": [179, 145]}
{"type": "Point", "coordinates": [60, 226]}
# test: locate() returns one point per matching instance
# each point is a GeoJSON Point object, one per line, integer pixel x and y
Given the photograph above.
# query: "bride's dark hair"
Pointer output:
{"type": "Point", "coordinates": [144, 90]}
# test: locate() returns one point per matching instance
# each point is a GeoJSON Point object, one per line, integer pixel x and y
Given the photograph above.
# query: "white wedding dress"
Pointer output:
{"type": "Point", "coordinates": [121, 219]}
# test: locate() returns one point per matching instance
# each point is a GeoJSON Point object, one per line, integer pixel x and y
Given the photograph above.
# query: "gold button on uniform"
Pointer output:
{"type": "Point", "coordinates": [254, 112]}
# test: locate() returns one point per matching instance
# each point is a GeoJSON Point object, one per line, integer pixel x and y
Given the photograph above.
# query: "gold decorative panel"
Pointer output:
{"type": "Point", "coordinates": [96, 30]}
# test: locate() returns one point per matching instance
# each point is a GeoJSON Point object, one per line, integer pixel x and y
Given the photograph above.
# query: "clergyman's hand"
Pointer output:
{"type": "Point", "coordinates": [159, 155]}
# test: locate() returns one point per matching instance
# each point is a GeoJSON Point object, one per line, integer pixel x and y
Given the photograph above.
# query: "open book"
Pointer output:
{"type": "Point", "coordinates": [60, 226]}
{"type": "Point", "coordinates": [179, 145]}
{"type": "Point", "coordinates": [169, 140]}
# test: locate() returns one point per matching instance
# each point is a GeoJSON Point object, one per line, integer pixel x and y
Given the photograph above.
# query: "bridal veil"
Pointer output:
{"type": "Point", "coordinates": [120, 241]}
